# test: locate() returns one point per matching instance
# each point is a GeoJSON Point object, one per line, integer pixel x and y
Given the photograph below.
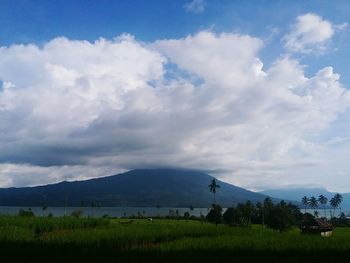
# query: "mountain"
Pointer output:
{"type": "Point", "coordinates": [148, 187]}
{"type": "Point", "coordinates": [298, 193]}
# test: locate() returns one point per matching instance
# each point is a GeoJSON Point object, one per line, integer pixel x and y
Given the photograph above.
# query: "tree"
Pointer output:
{"type": "Point", "coordinates": [260, 213]}
{"type": "Point", "coordinates": [44, 208]}
{"type": "Point", "coordinates": [243, 214]}
{"type": "Point", "coordinates": [335, 202]}
{"type": "Point", "coordinates": [342, 220]}
{"type": "Point", "coordinates": [230, 216]}
{"type": "Point", "coordinates": [280, 217]}
{"type": "Point", "coordinates": [246, 212]}
{"type": "Point", "coordinates": [305, 202]}
{"type": "Point", "coordinates": [212, 187]}
{"type": "Point", "coordinates": [267, 207]}
{"type": "Point", "coordinates": [186, 215]}
{"type": "Point", "coordinates": [313, 203]}
{"type": "Point", "coordinates": [316, 213]}
{"type": "Point", "coordinates": [296, 215]}
{"type": "Point", "coordinates": [323, 201]}
{"type": "Point", "coordinates": [215, 214]}
{"type": "Point", "coordinates": [339, 199]}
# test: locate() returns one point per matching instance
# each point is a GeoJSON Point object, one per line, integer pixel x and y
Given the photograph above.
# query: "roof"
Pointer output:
{"type": "Point", "coordinates": [323, 223]}
{"type": "Point", "coordinates": [317, 224]}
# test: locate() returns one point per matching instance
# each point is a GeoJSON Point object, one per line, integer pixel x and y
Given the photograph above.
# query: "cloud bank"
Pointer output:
{"type": "Point", "coordinates": [75, 109]}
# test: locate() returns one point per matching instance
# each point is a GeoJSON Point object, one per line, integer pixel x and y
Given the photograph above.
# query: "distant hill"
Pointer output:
{"type": "Point", "coordinates": [148, 187]}
{"type": "Point", "coordinates": [298, 193]}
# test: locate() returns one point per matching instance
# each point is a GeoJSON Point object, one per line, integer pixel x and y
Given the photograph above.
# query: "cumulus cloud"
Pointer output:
{"type": "Point", "coordinates": [75, 109]}
{"type": "Point", "coordinates": [310, 33]}
{"type": "Point", "coordinates": [195, 6]}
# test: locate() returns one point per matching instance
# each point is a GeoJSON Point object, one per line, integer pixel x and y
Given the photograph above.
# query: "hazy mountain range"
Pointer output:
{"type": "Point", "coordinates": [298, 193]}
{"type": "Point", "coordinates": [149, 187]}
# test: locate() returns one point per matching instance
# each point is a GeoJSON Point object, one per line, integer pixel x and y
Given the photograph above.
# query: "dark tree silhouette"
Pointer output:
{"type": "Point", "coordinates": [230, 216]}
{"type": "Point", "coordinates": [212, 187]}
{"type": "Point", "coordinates": [335, 202]}
{"type": "Point", "coordinates": [280, 217]}
{"type": "Point", "coordinates": [323, 201]}
{"type": "Point", "coordinates": [215, 214]}
{"type": "Point", "coordinates": [305, 202]}
{"type": "Point", "coordinates": [260, 212]}
{"type": "Point", "coordinates": [313, 203]}
{"type": "Point", "coordinates": [267, 207]}
{"type": "Point", "coordinates": [339, 199]}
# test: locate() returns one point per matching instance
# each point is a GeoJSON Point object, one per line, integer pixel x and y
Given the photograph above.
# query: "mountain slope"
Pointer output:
{"type": "Point", "coordinates": [149, 187]}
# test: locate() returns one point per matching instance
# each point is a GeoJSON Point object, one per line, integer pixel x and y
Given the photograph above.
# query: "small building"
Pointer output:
{"type": "Point", "coordinates": [318, 227]}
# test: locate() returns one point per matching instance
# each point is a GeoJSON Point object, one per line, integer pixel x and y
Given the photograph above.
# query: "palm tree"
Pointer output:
{"type": "Point", "coordinates": [305, 202]}
{"type": "Point", "coordinates": [323, 201]}
{"type": "Point", "coordinates": [212, 187]}
{"type": "Point", "coordinates": [313, 203]}
{"type": "Point", "coordinates": [336, 201]}
{"type": "Point", "coordinates": [339, 199]}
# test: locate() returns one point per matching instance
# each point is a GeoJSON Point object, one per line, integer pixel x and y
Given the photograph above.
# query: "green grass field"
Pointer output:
{"type": "Point", "coordinates": [139, 240]}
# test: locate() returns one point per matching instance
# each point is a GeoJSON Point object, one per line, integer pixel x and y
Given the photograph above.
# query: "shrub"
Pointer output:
{"type": "Point", "coordinates": [76, 213]}
{"type": "Point", "coordinates": [26, 213]}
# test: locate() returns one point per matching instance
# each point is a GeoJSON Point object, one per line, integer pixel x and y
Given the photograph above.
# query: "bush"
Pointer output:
{"type": "Point", "coordinates": [26, 213]}
{"type": "Point", "coordinates": [76, 213]}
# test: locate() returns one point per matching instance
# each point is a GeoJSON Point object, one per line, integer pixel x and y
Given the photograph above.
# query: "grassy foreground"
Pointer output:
{"type": "Point", "coordinates": [140, 240]}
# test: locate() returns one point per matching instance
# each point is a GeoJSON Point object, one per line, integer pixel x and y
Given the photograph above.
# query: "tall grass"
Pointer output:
{"type": "Point", "coordinates": [46, 224]}
{"type": "Point", "coordinates": [87, 239]}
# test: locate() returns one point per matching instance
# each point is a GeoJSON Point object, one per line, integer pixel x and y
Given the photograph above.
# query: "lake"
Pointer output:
{"type": "Point", "coordinates": [127, 211]}
{"type": "Point", "coordinates": [110, 211]}
{"type": "Point", "coordinates": [326, 212]}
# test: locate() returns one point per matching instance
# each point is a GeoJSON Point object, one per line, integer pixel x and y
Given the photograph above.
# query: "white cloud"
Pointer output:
{"type": "Point", "coordinates": [75, 109]}
{"type": "Point", "coordinates": [230, 59]}
{"type": "Point", "coordinates": [195, 6]}
{"type": "Point", "coordinates": [310, 33]}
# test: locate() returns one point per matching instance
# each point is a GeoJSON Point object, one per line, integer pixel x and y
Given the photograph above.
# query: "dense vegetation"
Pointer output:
{"type": "Point", "coordinates": [159, 240]}
{"type": "Point", "coordinates": [281, 216]}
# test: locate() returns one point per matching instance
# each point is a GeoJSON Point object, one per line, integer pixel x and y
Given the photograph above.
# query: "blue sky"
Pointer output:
{"type": "Point", "coordinates": [39, 21]}
{"type": "Point", "coordinates": [256, 92]}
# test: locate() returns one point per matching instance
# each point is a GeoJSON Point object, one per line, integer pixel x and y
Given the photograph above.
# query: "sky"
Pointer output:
{"type": "Point", "coordinates": [255, 93]}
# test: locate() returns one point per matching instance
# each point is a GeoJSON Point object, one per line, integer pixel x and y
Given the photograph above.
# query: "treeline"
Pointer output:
{"type": "Point", "coordinates": [281, 216]}
{"type": "Point", "coordinates": [322, 202]}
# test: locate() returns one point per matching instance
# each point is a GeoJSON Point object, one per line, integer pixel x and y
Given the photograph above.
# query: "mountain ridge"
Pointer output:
{"type": "Point", "coordinates": [141, 187]}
